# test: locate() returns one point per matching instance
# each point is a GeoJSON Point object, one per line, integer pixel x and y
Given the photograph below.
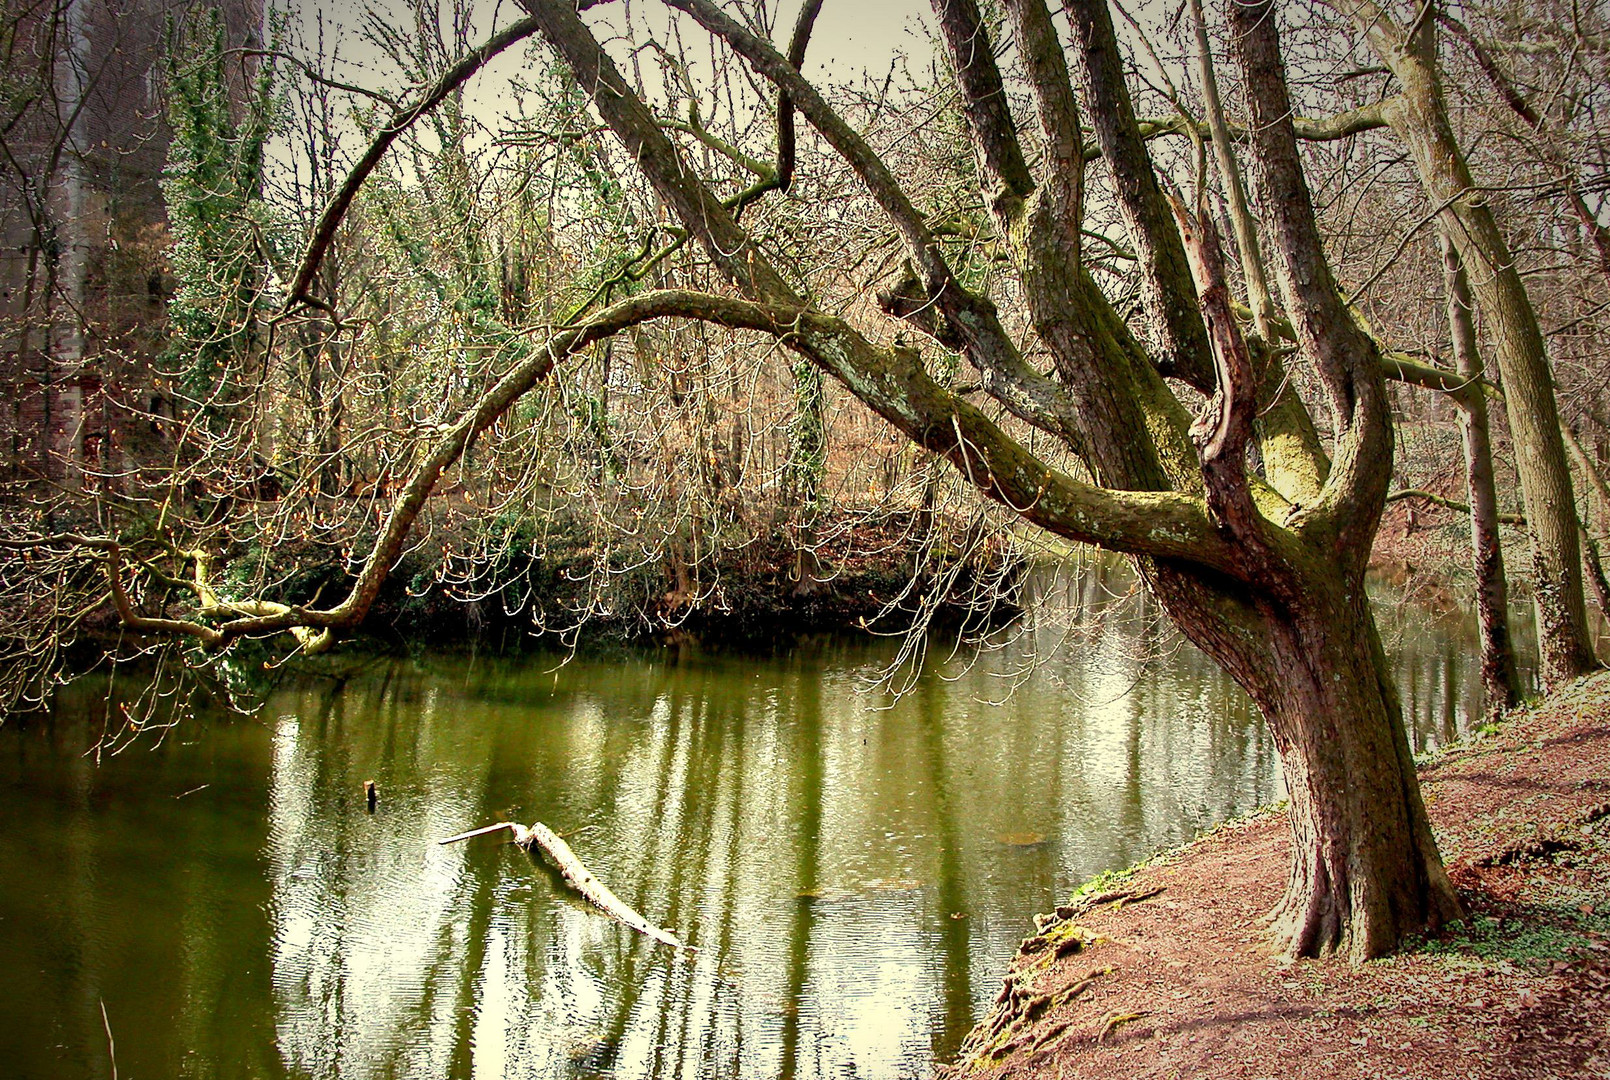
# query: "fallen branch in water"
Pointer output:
{"type": "Point", "coordinates": [577, 876]}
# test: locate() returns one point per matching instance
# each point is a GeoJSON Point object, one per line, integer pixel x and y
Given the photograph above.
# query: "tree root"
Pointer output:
{"type": "Point", "coordinates": [1538, 848]}
{"type": "Point", "coordinates": [1060, 939]}
{"type": "Point", "coordinates": [1308, 920]}
{"type": "Point", "coordinates": [1117, 898]}
{"type": "Point", "coordinates": [1113, 1022]}
{"type": "Point", "coordinates": [1007, 1027]}
{"type": "Point", "coordinates": [1053, 1034]}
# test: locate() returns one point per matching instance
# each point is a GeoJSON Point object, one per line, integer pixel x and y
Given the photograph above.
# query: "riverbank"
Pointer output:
{"type": "Point", "coordinates": [765, 587]}
{"type": "Point", "coordinates": [1167, 972]}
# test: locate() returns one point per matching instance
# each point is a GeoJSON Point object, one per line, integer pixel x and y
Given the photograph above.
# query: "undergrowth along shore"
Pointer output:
{"type": "Point", "coordinates": [859, 572]}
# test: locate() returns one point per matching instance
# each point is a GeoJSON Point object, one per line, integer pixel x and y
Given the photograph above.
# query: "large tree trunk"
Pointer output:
{"type": "Point", "coordinates": [1420, 118]}
{"type": "Point", "coordinates": [1355, 800]}
{"type": "Point", "coordinates": [1365, 868]}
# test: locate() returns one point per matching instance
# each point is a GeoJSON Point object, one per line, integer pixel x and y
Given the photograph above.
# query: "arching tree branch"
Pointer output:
{"type": "Point", "coordinates": [402, 117]}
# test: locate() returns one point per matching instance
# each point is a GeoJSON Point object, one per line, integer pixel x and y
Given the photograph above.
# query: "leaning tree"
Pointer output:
{"type": "Point", "coordinates": [1262, 566]}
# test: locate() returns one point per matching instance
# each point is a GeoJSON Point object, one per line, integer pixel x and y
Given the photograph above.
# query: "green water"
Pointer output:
{"type": "Point", "coordinates": [854, 866]}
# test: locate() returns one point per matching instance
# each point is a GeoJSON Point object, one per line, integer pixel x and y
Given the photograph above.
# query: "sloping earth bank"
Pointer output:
{"type": "Point", "coordinates": [1167, 972]}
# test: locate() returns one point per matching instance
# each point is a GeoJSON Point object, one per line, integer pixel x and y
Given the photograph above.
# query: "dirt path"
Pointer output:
{"type": "Point", "coordinates": [1167, 973]}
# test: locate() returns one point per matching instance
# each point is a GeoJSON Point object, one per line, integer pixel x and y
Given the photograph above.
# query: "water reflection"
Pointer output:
{"type": "Point", "coordinates": [855, 868]}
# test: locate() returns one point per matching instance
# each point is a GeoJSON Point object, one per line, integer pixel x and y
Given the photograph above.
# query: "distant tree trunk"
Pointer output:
{"type": "Point", "coordinates": [807, 462]}
{"type": "Point", "coordinates": [1419, 116]}
{"type": "Point", "coordinates": [1593, 563]}
{"type": "Point", "coordinates": [1499, 680]}
{"type": "Point", "coordinates": [322, 417]}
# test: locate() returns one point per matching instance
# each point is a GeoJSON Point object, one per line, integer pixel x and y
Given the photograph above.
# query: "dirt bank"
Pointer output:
{"type": "Point", "coordinates": [1166, 972]}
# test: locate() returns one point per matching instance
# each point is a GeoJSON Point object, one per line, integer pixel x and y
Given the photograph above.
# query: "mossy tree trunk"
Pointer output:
{"type": "Point", "coordinates": [1419, 117]}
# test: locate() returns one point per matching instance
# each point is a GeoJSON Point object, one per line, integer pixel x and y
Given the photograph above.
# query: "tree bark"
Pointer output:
{"type": "Point", "coordinates": [1594, 566]}
{"type": "Point", "coordinates": [1365, 868]}
{"type": "Point", "coordinates": [1500, 682]}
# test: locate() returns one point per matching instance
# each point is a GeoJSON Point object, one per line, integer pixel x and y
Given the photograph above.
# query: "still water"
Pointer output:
{"type": "Point", "coordinates": [855, 866]}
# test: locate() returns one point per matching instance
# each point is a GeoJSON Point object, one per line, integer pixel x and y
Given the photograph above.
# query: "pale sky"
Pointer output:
{"type": "Point", "coordinates": [850, 35]}
{"type": "Point", "coordinates": [854, 35]}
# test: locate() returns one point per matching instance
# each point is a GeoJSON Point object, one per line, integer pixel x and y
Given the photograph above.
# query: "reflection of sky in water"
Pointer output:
{"type": "Point", "coordinates": [854, 868]}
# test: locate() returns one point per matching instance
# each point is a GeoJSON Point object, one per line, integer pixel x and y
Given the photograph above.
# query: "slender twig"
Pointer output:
{"type": "Point", "coordinates": [111, 1044]}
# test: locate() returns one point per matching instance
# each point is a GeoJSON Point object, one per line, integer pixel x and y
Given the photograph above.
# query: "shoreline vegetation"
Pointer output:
{"type": "Point", "coordinates": [860, 573]}
{"type": "Point", "coordinates": [1164, 970]}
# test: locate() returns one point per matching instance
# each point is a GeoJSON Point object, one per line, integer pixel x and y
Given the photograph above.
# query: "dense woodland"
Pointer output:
{"type": "Point", "coordinates": [599, 318]}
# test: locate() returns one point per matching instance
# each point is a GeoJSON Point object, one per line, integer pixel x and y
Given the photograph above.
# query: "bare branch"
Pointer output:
{"type": "Point", "coordinates": [1171, 297]}
{"type": "Point", "coordinates": [402, 117]}
{"type": "Point", "coordinates": [1451, 504]}
{"type": "Point", "coordinates": [1342, 125]}
{"type": "Point", "coordinates": [803, 25]}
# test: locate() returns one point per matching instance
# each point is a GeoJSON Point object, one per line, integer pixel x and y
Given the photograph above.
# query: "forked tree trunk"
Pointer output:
{"type": "Point", "coordinates": [1365, 868]}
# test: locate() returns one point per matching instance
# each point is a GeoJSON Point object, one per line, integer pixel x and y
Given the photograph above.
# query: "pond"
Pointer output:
{"type": "Point", "coordinates": [854, 865]}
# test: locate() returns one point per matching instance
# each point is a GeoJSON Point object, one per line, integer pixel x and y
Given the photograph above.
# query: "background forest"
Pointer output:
{"type": "Point", "coordinates": [663, 472]}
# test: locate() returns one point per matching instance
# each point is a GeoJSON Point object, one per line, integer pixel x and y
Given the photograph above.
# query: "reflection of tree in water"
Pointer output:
{"type": "Point", "coordinates": [699, 792]}
{"type": "Point", "coordinates": [689, 864]}
{"type": "Point", "coordinates": [686, 1011]}
{"type": "Point", "coordinates": [368, 943]}
{"type": "Point", "coordinates": [808, 796]}
{"type": "Point", "coordinates": [955, 936]}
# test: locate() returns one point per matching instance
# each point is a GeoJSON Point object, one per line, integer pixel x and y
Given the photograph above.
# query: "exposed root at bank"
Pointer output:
{"type": "Point", "coordinates": [1113, 1022]}
{"type": "Point", "coordinates": [577, 876]}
